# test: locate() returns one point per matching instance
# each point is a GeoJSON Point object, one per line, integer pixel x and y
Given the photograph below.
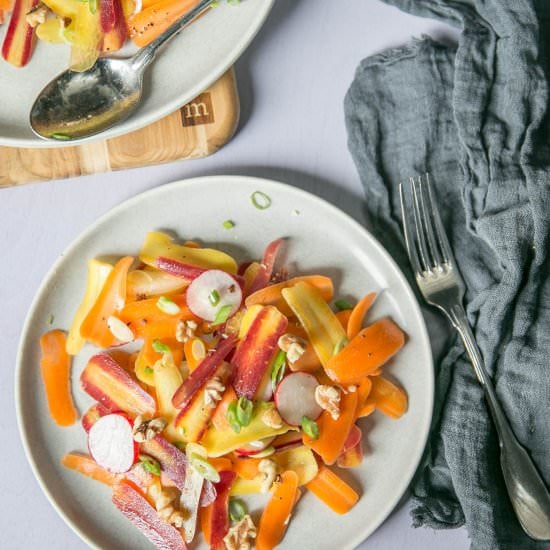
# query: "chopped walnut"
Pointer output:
{"type": "Point", "coordinates": [238, 537]}
{"type": "Point", "coordinates": [267, 467]}
{"type": "Point", "coordinates": [294, 346]}
{"type": "Point", "coordinates": [37, 15]}
{"type": "Point", "coordinates": [272, 419]}
{"type": "Point", "coordinates": [213, 391]}
{"type": "Point", "coordinates": [144, 430]}
{"type": "Point", "coordinates": [166, 512]}
{"type": "Point", "coordinates": [328, 398]}
{"type": "Point", "coordinates": [163, 496]}
{"type": "Point", "coordinates": [176, 519]}
{"type": "Point", "coordinates": [185, 330]}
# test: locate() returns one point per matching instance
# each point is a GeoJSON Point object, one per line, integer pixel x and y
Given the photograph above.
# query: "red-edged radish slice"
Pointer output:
{"type": "Point", "coordinates": [295, 398]}
{"type": "Point", "coordinates": [211, 291]}
{"type": "Point", "coordinates": [111, 443]}
{"type": "Point", "coordinates": [254, 447]}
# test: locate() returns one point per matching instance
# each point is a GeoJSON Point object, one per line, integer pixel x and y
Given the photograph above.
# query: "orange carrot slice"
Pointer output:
{"type": "Point", "coordinates": [344, 316]}
{"type": "Point", "coordinates": [276, 514]}
{"type": "Point", "coordinates": [205, 516]}
{"type": "Point", "coordinates": [246, 468]}
{"type": "Point", "coordinates": [195, 351]}
{"type": "Point", "coordinates": [87, 466]}
{"type": "Point", "coordinates": [110, 301]}
{"type": "Point", "coordinates": [219, 419]}
{"type": "Point", "coordinates": [370, 349]}
{"type": "Point", "coordinates": [55, 365]}
{"type": "Point", "coordinates": [308, 362]}
{"type": "Point", "coordinates": [333, 491]}
{"type": "Point", "coordinates": [333, 433]}
{"type": "Point", "coordinates": [146, 25]}
{"type": "Point", "coordinates": [221, 463]}
{"type": "Point", "coordinates": [388, 398]}
{"type": "Point", "coordinates": [271, 295]}
{"type": "Point", "coordinates": [358, 315]}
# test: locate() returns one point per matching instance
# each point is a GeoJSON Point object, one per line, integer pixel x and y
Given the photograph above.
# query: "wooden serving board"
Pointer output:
{"type": "Point", "coordinates": [198, 129]}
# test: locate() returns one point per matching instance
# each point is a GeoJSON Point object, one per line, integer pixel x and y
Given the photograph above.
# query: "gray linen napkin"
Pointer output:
{"type": "Point", "coordinates": [477, 119]}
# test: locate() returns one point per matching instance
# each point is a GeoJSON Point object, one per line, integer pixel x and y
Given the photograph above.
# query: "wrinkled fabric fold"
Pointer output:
{"type": "Point", "coordinates": [476, 118]}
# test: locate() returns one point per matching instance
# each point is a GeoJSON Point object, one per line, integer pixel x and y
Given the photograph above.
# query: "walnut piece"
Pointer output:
{"type": "Point", "coordinates": [293, 346]}
{"type": "Point", "coordinates": [272, 418]}
{"type": "Point", "coordinates": [185, 330]}
{"type": "Point", "coordinates": [213, 391]}
{"type": "Point", "coordinates": [144, 430]}
{"type": "Point", "coordinates": [328, 398]}
{"type": "Point", "coordinates": [240, 535]}
{"type": "Point", "coordinates": [37, 15]}
{"type": "Point", "coordinates": [163, 496]}
{"type": "Point", "coordinates": [267, 467]}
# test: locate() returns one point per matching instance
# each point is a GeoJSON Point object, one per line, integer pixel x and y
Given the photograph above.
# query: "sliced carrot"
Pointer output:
{"type": "Point", "coordinates": [333, 433]}
{"type": "Point", "coordinates": [370, 349]}
{"type": "Point", "coordinates": [147, 357]}
{"type": "Point", "coordinates": [388, 398]}
{"type": "Point", "coordinates": [219, 420]}
{"type": "Point", "coordinates": [55, 365]}
{"type": "Point", "coordinates": [150, 22]}
{"type": "Point", "coordinates": [145, 319]}
{"type": "Point", "coordinates": [276, 514]}
{"type": "Point", "coordinates": [333, 491]}
{"type": "Point", "coordinates": [205, 516]}
{"type": "Point", "coordinates": [109, 302]}
{"type": "Point", "coordinates": [221, 463]}
{"type": "Point", "coordinates": [195, 351]}
{"type": "Point", "coordinates": [87, 466]}
{"type": "Point", "coordinates": [343, 316]}
{"type": "Point", "coordinates": [246, 468]}
{"type": "Point", "coordinates": [271, 295]}
{"type": "Point", "coordinates": [363, 391]}
{"type": "Point", "coordinates": [358, 315]}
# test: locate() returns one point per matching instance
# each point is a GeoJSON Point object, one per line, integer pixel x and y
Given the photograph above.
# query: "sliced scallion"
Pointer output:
{"type": "Point", "coordinates": [237, 509]}
{"type": "Point", "coordinates": [161, 347]}
{"type": "Point", "coordinates": [148, 370]}
{"type": "Point", "coordinates": [231, 416]}
{"type": "Point", "coordinates": [278, 368]}
{"type": "Point", "coordinates": [342, 305]}
{"type": "Point", "coordinates": [244, 411]}
{"type": "Point", "coordinates": [204, 468]}
{"type": "Point", "coordinates": [310, 428]}
{"type": "Point", "coordinates": [149, 464]}
{"type": "Point", "coordinates": [228, 224]}
{"type": "Point", "coordinates": [260, 200]}
{"type": "Point", "coordinates": [222, 315]}
{"type": "Point", "coordinates": [168, 306]}
{"type": "Point", "coordinates": [214, 297]}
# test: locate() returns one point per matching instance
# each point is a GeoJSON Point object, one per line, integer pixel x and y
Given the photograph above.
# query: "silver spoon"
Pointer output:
{"type": "Point", "coordinates": [76, 105]}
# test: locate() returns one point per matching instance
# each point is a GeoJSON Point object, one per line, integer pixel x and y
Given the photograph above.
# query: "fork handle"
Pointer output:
{"type": "Point", "coordinates": [526, 489]}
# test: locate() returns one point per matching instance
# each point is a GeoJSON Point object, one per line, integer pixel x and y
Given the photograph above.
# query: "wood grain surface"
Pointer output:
{"type": "Point", "coordinates": [198, 129]}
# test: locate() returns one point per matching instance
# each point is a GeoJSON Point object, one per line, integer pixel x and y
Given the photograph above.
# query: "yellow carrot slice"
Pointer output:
{"type": "Point", "coordinates": [87, 466]}
{"type": "Point", "coordinates": [321, 324]}
{"type": "Point", "coordinates": [370, 349]}
{"type": "Point", "coordinates": [271, 295]}
{"type": "Point", "coordinates": [358, 315]}
{"type": "Point", "coordinates": [276, 514]}
{"type": "Point", "coordinates": [55, 365]}
{"type": "Point", "coordinates": [333, 491]}
{"type": "Point", "coordinates": [97, 275]}
{"type": "Point", "coordinates": [111, 300]}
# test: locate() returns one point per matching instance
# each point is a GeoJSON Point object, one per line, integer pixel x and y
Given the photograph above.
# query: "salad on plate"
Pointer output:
{"type": "Point", "coordinates": [214, 381]}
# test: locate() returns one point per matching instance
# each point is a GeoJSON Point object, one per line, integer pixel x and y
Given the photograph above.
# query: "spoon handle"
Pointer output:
{"type": "Point", "coordinates": [146, 54]}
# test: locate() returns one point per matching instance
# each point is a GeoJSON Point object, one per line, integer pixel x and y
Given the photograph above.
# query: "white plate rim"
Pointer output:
{"type": "Point", "coordinates": [137, 122]}
{"type": "Point", "coordinates": [403, 481]}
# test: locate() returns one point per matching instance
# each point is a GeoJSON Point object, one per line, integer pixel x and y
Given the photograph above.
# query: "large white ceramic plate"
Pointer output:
{"type": "Point", "coordinates": [187, 66]}
{"type": "Point", "coordinates": [321, 239]}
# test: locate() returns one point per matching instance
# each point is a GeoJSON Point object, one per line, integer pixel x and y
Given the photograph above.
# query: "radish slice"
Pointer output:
{"type": "Point", "coordinates": [111, 443]}
{"type": "Point", "coordinates": [255, 447]}
{"type": "Point", "coordinates": [211, 291]}
{"type": "Point", "coordinates": [295, 398]}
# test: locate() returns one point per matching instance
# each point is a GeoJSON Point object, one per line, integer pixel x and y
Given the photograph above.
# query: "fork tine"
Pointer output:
{"type": "Point", "coordinates": [439, 229]}
{"type": "Point", "coordinates": [428, 220]}
{"type": "Point", "coordinates": [419, 228]}
{"type": "Point", "coordinates": [407, 231]}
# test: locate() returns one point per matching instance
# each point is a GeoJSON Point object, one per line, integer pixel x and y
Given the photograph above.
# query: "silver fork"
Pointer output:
{"type": "Point", "coordinates": [442, 286]}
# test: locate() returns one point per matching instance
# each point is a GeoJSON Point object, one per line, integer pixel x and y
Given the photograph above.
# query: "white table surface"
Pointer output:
{"type": "Point", "coordinates": [292, 84]}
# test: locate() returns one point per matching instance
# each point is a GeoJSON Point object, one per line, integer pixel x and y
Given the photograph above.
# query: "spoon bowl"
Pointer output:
{"type": "Point", "coordinates": [76, 105]}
